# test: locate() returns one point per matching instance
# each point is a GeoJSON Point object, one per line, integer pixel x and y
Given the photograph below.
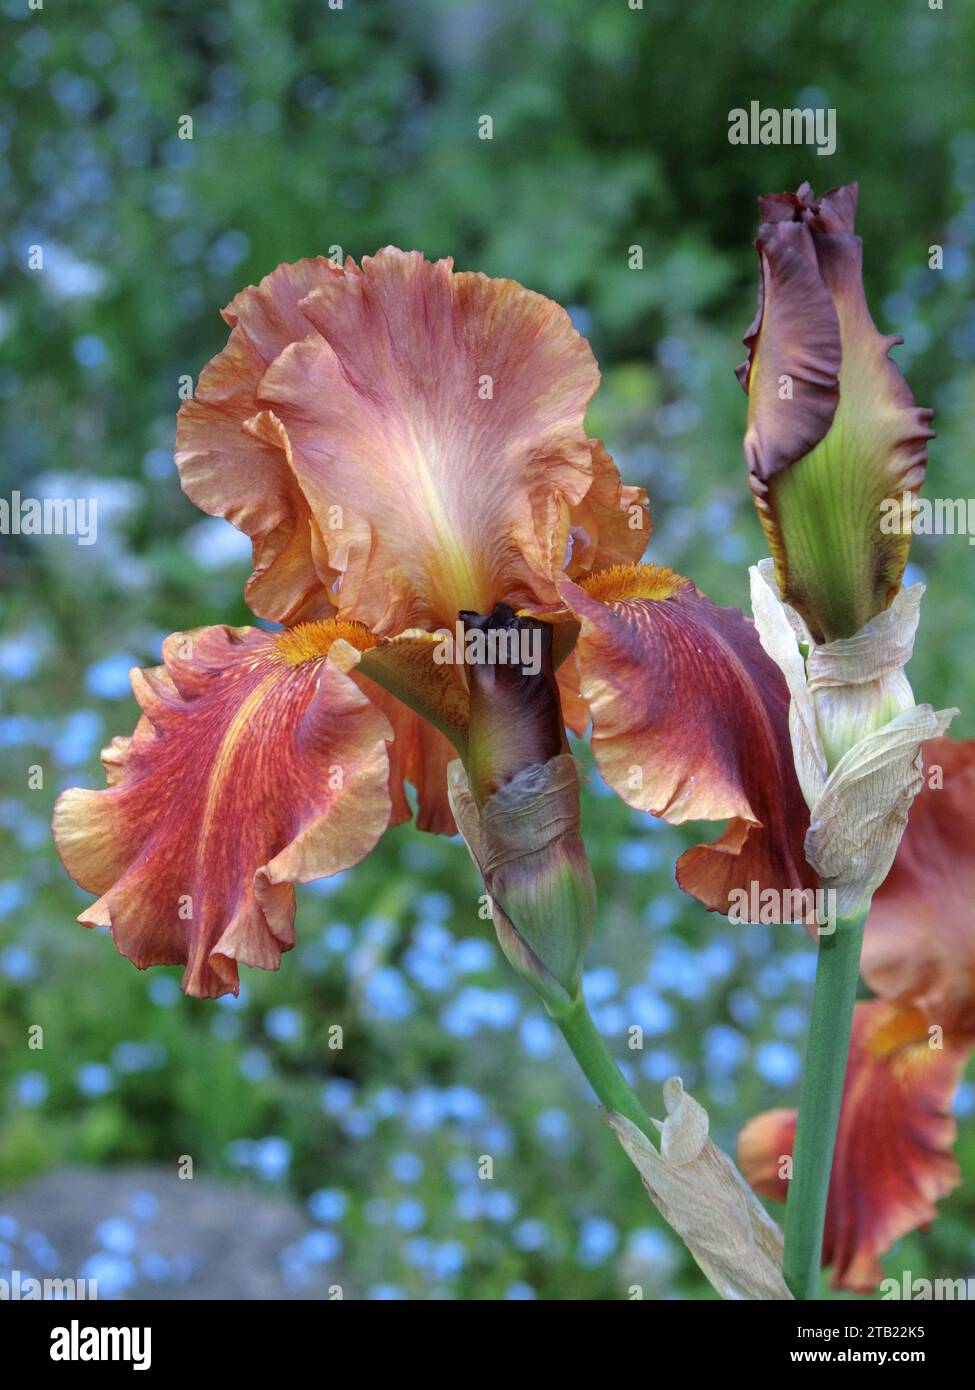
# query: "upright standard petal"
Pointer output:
{"type": "Point", "coordinates": [257, 764]}
{"type": "Point", "coordinates": [893, 1148]}
{"type": "Point", "coordinates": [690, 721]}
{"type": "Point", "coordinates": [233, 457]}
{"type": "Point", "coordinates": [435, 426]}
{"type": "Point", "coordinates": [834, 441]}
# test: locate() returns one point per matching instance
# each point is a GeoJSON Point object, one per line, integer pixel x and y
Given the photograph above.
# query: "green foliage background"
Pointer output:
{"type": "Point", "coordinates": [357, 127]}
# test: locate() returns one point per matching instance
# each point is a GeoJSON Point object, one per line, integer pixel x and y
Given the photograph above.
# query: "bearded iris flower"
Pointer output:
{"type": "Point", "coordinates": [910, 1042]}
{"type": "Point", "coordinates": [404, 445]}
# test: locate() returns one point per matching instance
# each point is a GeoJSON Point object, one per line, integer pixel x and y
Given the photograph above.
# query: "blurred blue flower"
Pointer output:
{"type": "Point", "coordinates": [79, 738]}
{"type": "Point", "coordinates": [21, 656]}
{"type": "Point", "coordinates": [109, 678]}
{"type": "Point", "coordinates": [498, 1205]}
{"type": "Point", "coordinates": [639, 856]}
{"type": "Point", "coordinates": [725, 1049]}
{"type": "Point", "coordinates": [338, 938]}
{"type": "Point", "coordinates": [318, 1247]}
{"type": "Point", "coordinates": [554, 1125]}
{"type": "Point", "coordinates": [283, 1024]}
{"type": "Point", "coordinates": [17, 963]}
{"type": "Point", "coordinates": [328, 1204]}
{"type": "Point", "coordinates": [650, 1247]}
{"type": "Point", "coordinates": [31, 1088]}
{"type": "Point", "coordinates": [650, 1011]}
{"type": "Point", "coordinates": [272, 1158]}
{"type": "Point", "coordinates": [338, 1095]}
{"type": "Point", "coordinates": [449, 1258]}
{"type": "Point", "coordinates": [144, 1205]}
{"type": "Point", "coordinates": [475, 1008]}
{"type": "Point", "coordinates": [778, 1063]}
{"type": "Point", "coordinates": [255, 1065]}
{"type": "Point", "coordinates": [473, 955]}
{"type": "Point", "coordinates": [539, 1037]}
{"type": "Point", "coordinates": [659, 1065]}
{"type": "Point", "coordinates": [530, 1235]}
{"type": "Point", "coordinates": [600, 984]}
{"type": "Point", "coordinates": [116, 1236]}
{"type": "Point", "coordinates": [89, 350]}
{"type": "Point", "coordinates": [358, 1123]}
{"type": "Point", "coordinates": [387, 996]}
{"type": "Point", "coordinates": [409, 1214]}
{"type": "Point", "coordinates": [406, 1167]}
{"type": "Point", "coordinates": [112, 1274]}
{"type": "Point", "coordinates": [13, 896]}
{"type": "Point", "coordinates": [94, 1079]}
{"type": "Point", "coordinates": [519, 1292]}
{"type": "Point", "coordinates": [598, 1240]}
{"type": "Point", "coordinates": [164, 990]}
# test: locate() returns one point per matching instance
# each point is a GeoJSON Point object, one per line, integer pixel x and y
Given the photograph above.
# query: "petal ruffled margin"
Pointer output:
{"type": "Point", "coordinates": [233, 457]}
{"type": "Point", "coordinates": [893, 1150]}
{"type": "Point", "coordinates": [432, 424]}
{"type": "Point", "coordinates": [258, 763]}
{"type": "Point", "coordinates": [690, 721]}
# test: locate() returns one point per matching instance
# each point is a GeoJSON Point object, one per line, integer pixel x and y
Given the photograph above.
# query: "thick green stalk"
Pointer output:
{"type": "Point", "coordinates": [602, 1073]}
{"type": "Point", "coordinates": [837, 972]}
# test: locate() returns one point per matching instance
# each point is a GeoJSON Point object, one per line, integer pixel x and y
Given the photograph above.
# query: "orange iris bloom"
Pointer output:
{"type": "Point", "coordinates": [403, 443]}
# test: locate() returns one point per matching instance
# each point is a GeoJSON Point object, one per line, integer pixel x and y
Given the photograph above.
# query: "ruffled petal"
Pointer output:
{"type": "Point", "coordinates": [611, 525]}
{"type": "Point", "coordinates": [919, 943]}
{"type": "Point", "coordinates": [796, 335]}
{"type": "Point", "coordinates": [825, 471]}
{"type": "Point", "coordinates": [258, 764]}
{"type": "Point", "coordinates": [893, 1150]}
{"type": "Point", "coordinates": [233, 459]}
{"type": "Point", "coordinates": [690, 721]}
{"type": "Point", "coordinates": [436, 429]}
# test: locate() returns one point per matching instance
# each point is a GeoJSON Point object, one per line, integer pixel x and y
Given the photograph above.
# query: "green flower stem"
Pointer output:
{"type": "Point", "coordinates": [602, 1073]}
{"type": "Point", "coordinates": [837, 972]}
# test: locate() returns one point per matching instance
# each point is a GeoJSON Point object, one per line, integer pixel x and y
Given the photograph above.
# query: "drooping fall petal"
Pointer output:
{"type": "Point", "coordinates": [257, 764]}
{"type": "Point", "coordinates": [919, 942]}
{"type": "Point", "coordinates": [690, 721]}
{"type": "Point", "coordinates": [833, 432]}
{"type": "Point", "coordinates": [893, 1150]}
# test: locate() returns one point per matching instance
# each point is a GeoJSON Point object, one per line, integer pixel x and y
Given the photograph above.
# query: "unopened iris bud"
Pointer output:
{"type": "Point", "coordinates": [517, 803]}
{"type": "Point", "coordinates": [833, 435]}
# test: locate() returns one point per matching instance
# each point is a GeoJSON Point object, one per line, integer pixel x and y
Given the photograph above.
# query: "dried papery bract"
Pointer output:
{"type": "Point", "coordinates": [856, 735]}
{"type": "Point", "coordinates": [702, 1196]}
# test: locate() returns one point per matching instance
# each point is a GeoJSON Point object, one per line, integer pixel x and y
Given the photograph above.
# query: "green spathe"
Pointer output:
{"type": "Point", "coordinates": [526, 843]}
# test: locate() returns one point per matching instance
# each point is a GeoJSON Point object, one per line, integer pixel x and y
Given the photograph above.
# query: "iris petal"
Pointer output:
{"type": "Point", "coordinates": [690, 721]}
{"type": "Point", "coordinates": [253, 768]}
